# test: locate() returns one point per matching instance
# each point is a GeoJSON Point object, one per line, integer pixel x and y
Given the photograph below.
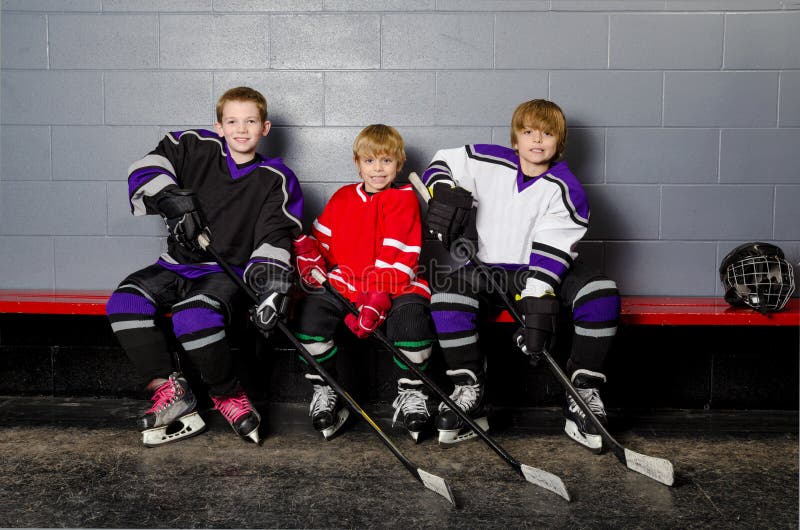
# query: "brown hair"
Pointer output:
{"type": "Point", "coordinates": [243, 93]}
{"type": "Point", "coordinates": [543, 115]}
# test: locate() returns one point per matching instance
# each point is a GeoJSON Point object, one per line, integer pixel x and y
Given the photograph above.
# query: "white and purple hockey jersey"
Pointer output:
{"type": "Point", "coordinates": [534, 222]}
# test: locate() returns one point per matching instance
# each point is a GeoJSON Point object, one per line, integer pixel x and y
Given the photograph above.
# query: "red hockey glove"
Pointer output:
{"type": "Point", "coordinates": [372, 309]}
{"type": "Point", "coordinates": [307, 259]}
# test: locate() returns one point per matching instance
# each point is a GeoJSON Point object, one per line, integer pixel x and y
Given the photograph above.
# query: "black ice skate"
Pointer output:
{"type": "Point", "coordinates": [468, 395]}
{"type": "Point", "coordinates": [411, 405]}
{"type": "Point", "coordinates": [173, 415]}
{"type": "Point", "coordinates": [240, 413]}
{"type": "Point", "coordinates": [578, 426]}
{"type": "Point", "coordinates": [327, 414]}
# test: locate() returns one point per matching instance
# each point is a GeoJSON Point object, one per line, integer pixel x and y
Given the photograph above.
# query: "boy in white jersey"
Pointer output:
{"type": "Point", "coordinates": [531, 213]}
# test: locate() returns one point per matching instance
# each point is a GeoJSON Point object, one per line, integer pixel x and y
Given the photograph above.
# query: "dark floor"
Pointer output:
{"type": "Point", "coordinates": [80, 463]}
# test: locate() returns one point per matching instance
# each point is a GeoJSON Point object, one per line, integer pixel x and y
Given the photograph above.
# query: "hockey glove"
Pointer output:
{"type": "Point", "coordinates": [182, 215]}
{"type": "Point", "coordinates": [540, 316]}
{"type": "Point", "coordinates": [307, 259]}
{"type": "Point", "coordinates": [372, 309]}
{"type": "Point", "coordinates": [271, 308]}
{"type": "Point", "coordinates": [448, 213]}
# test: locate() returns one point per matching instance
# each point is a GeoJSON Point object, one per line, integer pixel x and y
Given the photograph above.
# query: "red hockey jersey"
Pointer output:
{"type": "Point", "coordinates": [372, 242]}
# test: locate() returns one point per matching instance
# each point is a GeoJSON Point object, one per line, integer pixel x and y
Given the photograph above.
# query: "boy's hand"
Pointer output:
{"type": "Point", "coordinates": [271, 307]}
{"type": "Point", "coordinates": [372, 309]}
{"type": "Point", "coordinates": [540, 324]}
{"type": "Point", "coordinates": [182, 215]}
{"type": "Point", "coordinates": [308, 259]}
{"type": "Point", "coordinates": [448, 212]}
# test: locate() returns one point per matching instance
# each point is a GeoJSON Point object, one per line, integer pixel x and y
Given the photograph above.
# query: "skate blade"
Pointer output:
{"type": "Point", "coordinates": [183, 427]}
{"type": "Point", "coordinates": [450, 437]}
{"type": "Point", "coordinates": [254, 436]}
{"type": "Point", "coordinates": [341, 417]}
{"type": "Point", "coordinates": [592, 442]}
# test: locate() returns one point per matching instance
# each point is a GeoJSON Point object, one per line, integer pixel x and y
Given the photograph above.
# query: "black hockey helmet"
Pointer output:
{"type": "Point", "coordinates": [757, 275]}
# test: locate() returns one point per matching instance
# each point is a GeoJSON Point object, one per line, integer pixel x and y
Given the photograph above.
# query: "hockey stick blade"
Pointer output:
{"type": "Point", "coordinates": [437, 484]}
{"type": "Point", "coordinates": [429, 480]}
{"type": "Point", "coordinates": [658, 469]}
{"type": "Point", "coordinates": [545, 480]}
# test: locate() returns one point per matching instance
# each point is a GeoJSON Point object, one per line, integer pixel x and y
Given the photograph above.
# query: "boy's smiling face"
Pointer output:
{"type": "Point", "coordinates": [536, 149]}
{"type": "Point", "coordinates": [242, 128]}
{"type": "Point", "coordinates": [377, 171]}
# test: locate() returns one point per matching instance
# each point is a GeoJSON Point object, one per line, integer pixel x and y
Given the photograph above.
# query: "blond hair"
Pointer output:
{"type": "Point", "coordinates": [379, 139]}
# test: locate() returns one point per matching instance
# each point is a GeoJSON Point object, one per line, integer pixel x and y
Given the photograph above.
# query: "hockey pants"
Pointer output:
{"type": "Point", "coordinates": [590, 299]}
{"type": "Point", "coordinates": [200, 311]}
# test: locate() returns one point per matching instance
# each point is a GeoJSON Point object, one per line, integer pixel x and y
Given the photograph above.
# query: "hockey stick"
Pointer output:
{"type": "Point", "coordinates": [533, 475]}
{"type": "Point", "coordinates": [658, 469]}
{"type": "Point", "coordinates": [429, 480]}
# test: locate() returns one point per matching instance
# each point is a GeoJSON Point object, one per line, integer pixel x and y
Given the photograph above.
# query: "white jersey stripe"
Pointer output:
{"type": "Point", "coordinates": [389, 242]}
{"type": "Point", "coordinates": [322, 228]}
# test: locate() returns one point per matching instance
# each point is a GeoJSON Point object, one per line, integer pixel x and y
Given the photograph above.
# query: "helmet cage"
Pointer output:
{"type": "Point", "coordinates": [764, 281]}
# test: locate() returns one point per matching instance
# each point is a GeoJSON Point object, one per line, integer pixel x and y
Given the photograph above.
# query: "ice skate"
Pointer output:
{"type": "Point", "coordinates": [468, 395]}
{"type": "Point", "coordinates": [578, 426]}
{"type": "Point", "coordinates": [173, 415]}
{"type": "Point", "coordinates": [327, 414]}
{"type": "Point", "coordinates": [411, 404]}
{"type": "Point", "coordinates": [240, 413]}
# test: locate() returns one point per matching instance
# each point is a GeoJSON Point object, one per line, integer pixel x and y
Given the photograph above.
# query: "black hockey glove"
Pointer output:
{"type": "Point", "coordinates": [540, 316]}
{"type": "Point", "coordinates": [448, 212]}
{"type": "Point", "coordinates": [271, 308]}
{"type": "Point", "coordinates": [182, 215]}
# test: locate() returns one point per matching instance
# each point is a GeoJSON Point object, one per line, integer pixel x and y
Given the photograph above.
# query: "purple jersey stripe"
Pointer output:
{"type": "Point", "coordinates": [129, 303]}
{"type": "Point", "coordinates": [194, 271]}
{"type": "Point", "coordinates": [605, 309]}
{"type": "Point", "coordinates": [142, 176]}
{"type": "Point", "coordinates": [236, 171]}
{"type": "Point", "coordinates": [196, 319]}
{"type": "Point", "coordinates": [576, 194]}
{"type": "Point", "coordinates": [294, 205]}
{"type": "Point", "coordinates": [454, 321]}
{"type": "Point", "coordinates": [499, 153]}
{"type": "Point", "coordinates": [548, 263]}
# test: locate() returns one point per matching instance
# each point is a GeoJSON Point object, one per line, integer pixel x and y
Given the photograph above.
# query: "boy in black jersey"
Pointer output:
{"type": "Point", "coordinates": [215, 184]}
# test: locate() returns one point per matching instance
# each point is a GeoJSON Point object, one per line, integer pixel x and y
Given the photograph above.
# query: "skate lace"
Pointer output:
{"type": "Point", "coordinates": [465, 396]}
{"type": "Point", "coordinates": [233, 407]}
{"type": "Point", "coordinates": [410, 402]}
{"type": "Point", "coordinates": [592, 398]}
{"type": "Point", "coordinates": [324, 400]}
{"type": "Point", "coordinates": [165, 395]}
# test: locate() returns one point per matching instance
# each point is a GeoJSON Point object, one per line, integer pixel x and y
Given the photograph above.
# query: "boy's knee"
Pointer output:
{"type": "Point", "coordinates": [199, 314]}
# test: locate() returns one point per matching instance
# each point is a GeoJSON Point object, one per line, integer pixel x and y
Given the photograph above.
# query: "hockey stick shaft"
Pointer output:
{"type": "Point", "coordinates": [658, 469]}
{"type": "Point", "coordinates": [429, 480]}
{"type": "Point", "coordinates": [534, 475]}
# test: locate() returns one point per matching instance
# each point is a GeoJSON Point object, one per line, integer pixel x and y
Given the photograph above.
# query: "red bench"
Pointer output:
{"type": "Point", "coordinates": [636, 310]}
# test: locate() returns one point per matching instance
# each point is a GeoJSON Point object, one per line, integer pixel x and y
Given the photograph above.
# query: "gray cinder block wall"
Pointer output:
{"type": "Point", "coordinates": [684, 114]}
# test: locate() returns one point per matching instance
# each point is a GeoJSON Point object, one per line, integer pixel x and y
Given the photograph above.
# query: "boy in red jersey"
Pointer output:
{"type": "Point", "coordinates": [368, 240]}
